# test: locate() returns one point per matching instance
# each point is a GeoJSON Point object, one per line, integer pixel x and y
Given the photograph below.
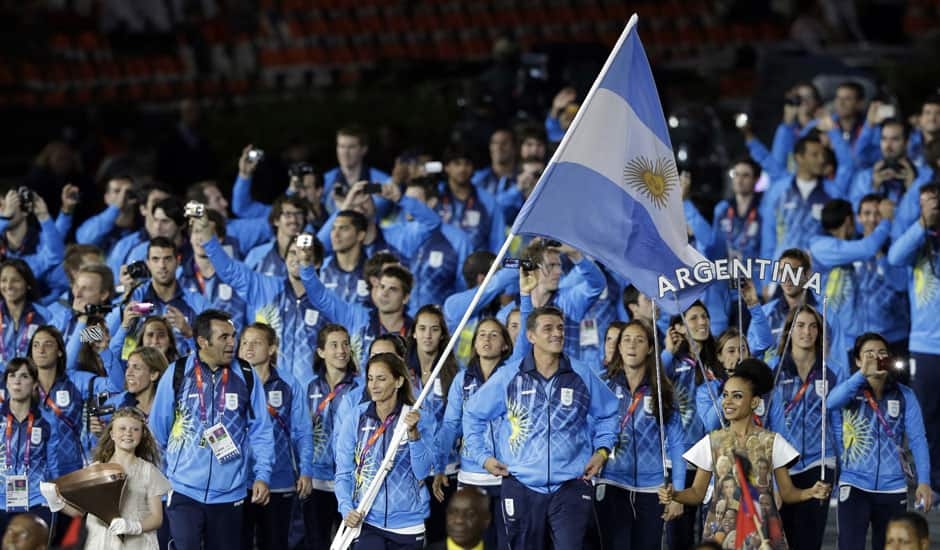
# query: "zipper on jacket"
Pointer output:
{"type": "Point", "coordinates": [209, 477]}
{"type": "Point", "coordinates": [548, 406]}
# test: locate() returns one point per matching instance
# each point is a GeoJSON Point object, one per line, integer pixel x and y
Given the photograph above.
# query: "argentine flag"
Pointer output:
{"type": "Point", "coordinates": [612, 187]}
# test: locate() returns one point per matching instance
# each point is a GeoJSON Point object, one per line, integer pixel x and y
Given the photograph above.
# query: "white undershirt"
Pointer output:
{"type": "Point", "coordinates": [805, 186]}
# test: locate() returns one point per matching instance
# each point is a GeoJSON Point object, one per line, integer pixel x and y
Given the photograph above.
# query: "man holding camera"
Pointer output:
{"type": "Point", "coordinates": [916, 250]}
{"type": "Point", "coordinates": [280, 302]}
{"type": "Point", "coordinates": [167, 219]}
{"type": "Point", "coordinates": [834, 256]}
{"type": "Point", "coordinates": [891, 176]}
{"type": "Point", "coordinates": [242, 234]}
{"type": "Point", "coordinates": [42, 249]}
{"type": "Point", "coordinates": [287, 219]}
{"type": "Point", "coordinates": [199, 274]}
{"type": "Point", "coordinates": [166, 295]}
{"type": "Point", "coordinates": [91, 293]}
{"type": "Point", "coordinates": [583, 286]}
{"type": "Point", "coordinates": [352, 144]}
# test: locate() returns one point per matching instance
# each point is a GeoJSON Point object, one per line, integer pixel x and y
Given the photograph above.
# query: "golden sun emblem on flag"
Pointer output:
{"type": "Point", "coordinates": [652, 179]}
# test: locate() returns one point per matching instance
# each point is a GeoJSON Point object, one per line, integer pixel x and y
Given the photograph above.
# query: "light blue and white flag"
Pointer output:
{"type": "Point", "coordinates": [612, 187]}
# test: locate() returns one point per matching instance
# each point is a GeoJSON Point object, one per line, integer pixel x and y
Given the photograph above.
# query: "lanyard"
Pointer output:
{"type": "Point", "coordinates": [327, 399]}
{"type": "Point", "coordinates": [799, 394]}
{"type": "Point", "coordinates": [280, 420]}
{"type": "Point", "coordinates": [19, 348]}
{"type": "Point", "coordinates": [751, 218]}
{"type": "Point", "coordinates": [9, 441]}
{"type": "Point", "coordinates": [371, 442]}
{"type": "Point", "coordinates": [468, 205]}
{"type": "Point", "coordinates": [884, 423]}
{"type": "Point", "coordinates": [202, 396]}
{"type": "Point", "coordinates": [636, 401]}
{"type": "Point", "coordinates": [200, 280]}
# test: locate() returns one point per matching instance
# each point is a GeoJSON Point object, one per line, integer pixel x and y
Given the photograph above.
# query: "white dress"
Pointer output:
{"type": "Point", "coordinates": [144, 480]}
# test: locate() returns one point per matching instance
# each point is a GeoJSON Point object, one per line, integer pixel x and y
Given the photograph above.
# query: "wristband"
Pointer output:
{"type": "Point", "coordinates": [603, 452]}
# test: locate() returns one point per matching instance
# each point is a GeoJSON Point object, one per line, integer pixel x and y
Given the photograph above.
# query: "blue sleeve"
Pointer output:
{"type": "Point", "coordinates": [72, 347]}
{"type": "Point", "coordinates": [412, 234]}
{"type": "Point", "coordinates": [451, 426]}
{"type": "Point", "coordinates": [249, 232]}
{"type": "Point", "coordinates": [260, 433]}
{"type": "Point", "coordinates": [163, 410]}
{"type": "Point", "coordinates": [861, 185]}
{"type": "Point", "coordinates": [246, 282]}
{"type": "Point", "coordinates": [768, 227]}
{"type": "Point", "coordinates": [553, 129]}
{"type": "Point", "coordinates": [521, 347]}
{"type": "Point", "coordinates": [51, 249]}
{"type": "Point", "coordinates": [759, 335]}
{"type": "Point", "coordinates": [842, 149]}
{"type": "Point", "coordinates": [324, 234]}
{"type": "Point", "coordinates": [421, 451]}
{"type": "Point", "coordinates": [705, 409]}
{"type": "Point", "coordinates": [117, 341]}
{"type": "Point", "coordinates": [603, 411]}
{"type": "Point", "coordinates": [916, 435]}
{"type": "Point", "coordinates": [510, 201]}
{"type": "Point", "coordinates": [774, 419]}
{"type": "Point", "coordinates": [488, 403]}
{"type": "Point", "coordinates": [867, 148]}
{"type": "Point", "coordinates": [701, 230]}
{"type": "Point", "coordinates": [497, 227]}
{"type": "Point", "coordinates": [841, 394]}
{"type": "Point", "coordinates": [456, 304]}
{"type": "Point", "coordinates": [784, 140]}
{"type": "Point", "coordinates": [576, 300]}
{"type": "Point", "coordinates": [351, 316]}
{"type": "Point", "coordinates": [345, 457]}
{"type": "Point", "coordinates": [832, 251]}
{"type": "Point", "coordinates": [904, 250]}
{"type": "Point", "coordinates": [675, 447]}
{"type": "Point", "coordinates": [758, 151]}
{"type": "Point", "coordinates": [242, 204]}
{"type": "Point", "coordinates": [63, 223]}
{"type": "Point", "coordinates": [95, 228]}
{"type": "Point", "coordinates": [301, 428]}
{"type": "Point", "coordinates": [115, 369]}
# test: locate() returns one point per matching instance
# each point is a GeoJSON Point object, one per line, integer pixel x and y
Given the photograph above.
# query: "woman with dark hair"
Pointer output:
{"type": "Point", "coordinates": [492, 349]}
{"type": "Point", "coordinates": [796, 409]}
{"type": "Point", "coordinates": [397, 515]}
{"type": "Point", "coordinates": [20, 311]}
{"type": "Point", "coordinates": [334, 376]}
{"type": "Point", "coordinates": [426, 342]}
{"type": "Point", "coordinates": [61, 399]}
{"type": "Point", "coordinates": [145, 366]}
{"type": "Point", "coordinates": [634, 470]}
{"type": "Point", "coordinates": [731, 454]}
{"type": "Point", "coordinates": [27, 454]}
{"type": "Point", "coordinates": [883, 441]}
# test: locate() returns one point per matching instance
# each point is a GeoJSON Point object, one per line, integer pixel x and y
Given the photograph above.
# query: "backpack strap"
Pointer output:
{"type": "Point", "coordinates": [179, 370]}
{"type": "Point", "coordinates": [249, 375]}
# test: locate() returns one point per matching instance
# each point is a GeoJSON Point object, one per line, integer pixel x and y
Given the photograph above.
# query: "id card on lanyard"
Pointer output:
{"type": "Point", "coordinates": [217, 435]}
{"type": "Point", "coordinates": [637, 397]}
{"type": "Point", "coordinates": [17, 485]}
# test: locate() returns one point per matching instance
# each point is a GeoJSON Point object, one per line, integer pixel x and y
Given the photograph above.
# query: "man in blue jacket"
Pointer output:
{"type": "Point", "coordinates": [835, 256]}
{"type": "Point", "coordinates": [352, 144]}
{"type": "Point", "coordinates": [916, 250]}
{"type": "Point", "coordinates": [116, 221]}
{"type": "Point", "coordinates": [208, 422]}
{"type": "Point", "coordinates": [561, 422]}
{"type": "Point", "coordinates": [41, 248]}
{"type": "Point", "coordinates": [287, 219]}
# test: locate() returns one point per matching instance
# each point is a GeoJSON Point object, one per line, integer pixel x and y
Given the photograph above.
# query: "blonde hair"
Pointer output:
{"type": "Point", "coordinates": [147, 449]}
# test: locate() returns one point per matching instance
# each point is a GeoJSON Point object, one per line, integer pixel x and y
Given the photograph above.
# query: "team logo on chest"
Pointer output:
{"type": "Point", "coordinates": [567, 396]}
{"type": "Point", "coordinates": [62, 398]}
{"type": "Point", "coordinates": [275, 398]}
{"type": "Point", "coordinates": [894, 408]}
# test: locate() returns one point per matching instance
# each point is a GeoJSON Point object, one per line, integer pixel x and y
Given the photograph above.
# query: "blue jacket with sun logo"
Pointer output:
{"type": "Point", "coordinates": [293, 437]}
{"type": "Point", "coordinates": [272, 300]}
{"type": "Point", "coordinates": [323, 405]}
{"type": "Point", "coordinates": [869, 458]}
{"type": "Point", "coordinates": [636, 460]}
{"type": "Point", "coordinates": [917, 249]}
{"type": "Point", "coordinates": [180, 419]}
{"type": "Point", "coordinates": [551, 427]}
{"type": "Point", "coordinates": [680, 369]}
{"type": "Point", "coordinates": [403, 500]}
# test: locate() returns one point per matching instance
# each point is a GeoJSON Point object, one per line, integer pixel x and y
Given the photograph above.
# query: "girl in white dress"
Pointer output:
{"type": "Point", "coordinates": [127, 441]}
